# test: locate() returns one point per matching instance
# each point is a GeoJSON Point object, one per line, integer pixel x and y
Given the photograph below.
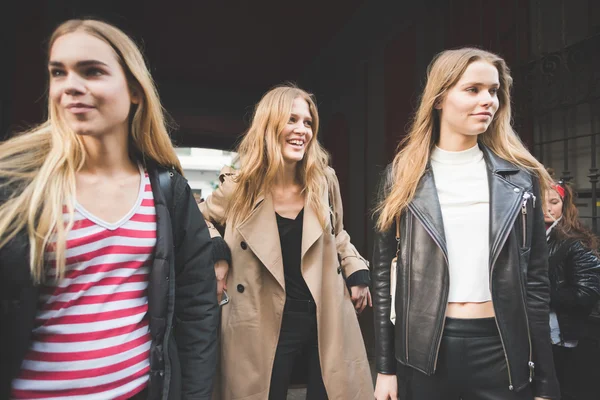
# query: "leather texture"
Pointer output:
{"type": "Point", "coordinates": [574, 272]}
{"type": "Point", "coordinates": [518, 279]}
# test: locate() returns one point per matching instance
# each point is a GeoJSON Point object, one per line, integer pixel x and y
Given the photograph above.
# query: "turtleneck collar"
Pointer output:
{"type": "Point", "coordinates": [474, 154]}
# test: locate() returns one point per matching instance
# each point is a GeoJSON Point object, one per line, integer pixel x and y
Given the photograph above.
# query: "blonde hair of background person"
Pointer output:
{"type": "Point", "coordinates": [284, 176]}
{"type": "Point", "coordinates": [261, 160]}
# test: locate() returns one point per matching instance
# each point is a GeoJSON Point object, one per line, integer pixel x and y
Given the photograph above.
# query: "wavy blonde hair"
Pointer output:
{"type": "Point", "coordinates": [261, 160]}
{"type": "Point", "coordinates": [414, 150]}
{"type": "Point", "coordinates": [38, 167]}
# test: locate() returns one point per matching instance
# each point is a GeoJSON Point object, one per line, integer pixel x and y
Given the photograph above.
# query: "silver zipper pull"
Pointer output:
{"type": "Point", "coordinates": [534, 199]}
{"type": "Point", "coordinates": [531, 370]}
{"type": "Point", "coordinates": [524, 207]}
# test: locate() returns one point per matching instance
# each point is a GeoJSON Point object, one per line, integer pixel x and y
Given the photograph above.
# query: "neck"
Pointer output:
{"type": "Point", "coordinates": [288, 176]}
{"type": "Point", "coordinates": [107, 154]}
{"type": "Point", "coordinates": [454, 141]}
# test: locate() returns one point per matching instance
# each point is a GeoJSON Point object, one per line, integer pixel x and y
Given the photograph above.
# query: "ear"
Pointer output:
{"type": "Point", "coordinates": [438, 104]}
{"type": "Point", "coordinates": [135, 95]}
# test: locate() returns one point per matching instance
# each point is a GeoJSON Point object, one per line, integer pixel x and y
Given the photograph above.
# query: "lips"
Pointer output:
{"type": "Point", "coordinates": [483, 114]}
{"type": "Point", "coordinates": [78, 108]}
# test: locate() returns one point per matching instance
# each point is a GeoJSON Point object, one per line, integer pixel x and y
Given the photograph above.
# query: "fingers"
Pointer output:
{"type": "Point", "coordinates": [370, 298]}
{"type": "Point", "coordinates": [363, 304]}
{"type": "Point", "coordinates": [355, 293]}
{"type": "Point", "coordinates": [220, 288]}
{"type": "Point", "coordinates": [361, 299]}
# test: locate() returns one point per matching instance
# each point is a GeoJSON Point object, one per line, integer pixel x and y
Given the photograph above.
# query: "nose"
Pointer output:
{"type": "Point", "coordinates": [300, 129]}
{"type": "Point", "coordinates": [485, 98]}
{"type": "Point", "coordinates": [73, 85]}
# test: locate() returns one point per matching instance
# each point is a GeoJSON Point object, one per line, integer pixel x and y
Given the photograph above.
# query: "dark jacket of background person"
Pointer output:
{"type": "Point", "coordinates": [574, 272]}
{"type": "Point", "coordinates": [182, 301]}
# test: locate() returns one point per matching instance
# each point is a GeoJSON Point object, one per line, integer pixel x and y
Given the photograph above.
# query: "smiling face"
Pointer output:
{"type": "Point", "coordinates": [297, 133]}
{"type": "Point", "coordinates": [88, 85]}
{"type": "Point", "coordinates": [468, 108]}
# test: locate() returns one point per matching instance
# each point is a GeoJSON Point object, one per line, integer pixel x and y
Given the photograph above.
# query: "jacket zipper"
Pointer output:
{"type": "Point", "coordinates": [526, 197]}
{"type": "Point", "coordinates": [530, 364]}
{"type": "Point", "coordinates": [510, 383]}
{"type": "Point", "coordinates": [443, 324]}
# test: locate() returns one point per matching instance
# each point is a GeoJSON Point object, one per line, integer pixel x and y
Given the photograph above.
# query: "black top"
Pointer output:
{"type": "Point", "coordinates": [290, 236]}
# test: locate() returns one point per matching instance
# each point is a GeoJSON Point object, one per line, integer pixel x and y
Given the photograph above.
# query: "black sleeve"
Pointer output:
{"type": "Point", "coordinates": [383, 252]}
{"type": "Point", "coordinates": [360, 277]}
{"type": "Point", "coordinates": [196, 308]}
{"type": "Point", "coordinates": [221, 250]}
{"type": "Point", "coordinates": [545, 383]}
{"type": "Point", "coordinates": [583, 268]}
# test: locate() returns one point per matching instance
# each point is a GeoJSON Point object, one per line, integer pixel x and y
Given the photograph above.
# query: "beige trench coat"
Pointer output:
{"type": "Point", "coordinates": [251, 321]}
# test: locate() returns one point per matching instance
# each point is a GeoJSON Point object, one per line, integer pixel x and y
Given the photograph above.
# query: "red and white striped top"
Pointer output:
{"type": "Point", "coordinates": [91, 338]}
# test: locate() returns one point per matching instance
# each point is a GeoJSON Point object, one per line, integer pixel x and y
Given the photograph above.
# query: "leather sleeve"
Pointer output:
{"type": "Point", "coordinates": [582, 266]}
{"type": "Point", "coordinates": [384, 251]}
{"type": "Point", "coordinates": [545, 384]}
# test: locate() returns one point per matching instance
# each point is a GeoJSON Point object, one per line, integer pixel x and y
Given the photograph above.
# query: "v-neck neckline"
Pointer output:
{"type": "Point", "coordinates": [115, 225]}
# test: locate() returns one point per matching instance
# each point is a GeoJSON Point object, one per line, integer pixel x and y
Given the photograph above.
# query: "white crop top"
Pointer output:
{"type": "Point", "coordinates": [462, 186]}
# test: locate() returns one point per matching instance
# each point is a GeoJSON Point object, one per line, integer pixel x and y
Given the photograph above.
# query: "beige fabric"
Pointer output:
{"type": "Point", "coordinates": [251, 321]}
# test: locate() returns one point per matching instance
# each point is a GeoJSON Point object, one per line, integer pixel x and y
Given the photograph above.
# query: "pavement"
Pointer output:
{"type": "Point", "coordinates": [299, 393]}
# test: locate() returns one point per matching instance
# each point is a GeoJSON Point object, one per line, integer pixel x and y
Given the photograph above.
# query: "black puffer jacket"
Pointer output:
{"type": "Point", "coordinates": [518, 280]}
{"type": "Point", "coordinates": [182, 301]}
{"type": "Point", "coordinates": [574, 272]}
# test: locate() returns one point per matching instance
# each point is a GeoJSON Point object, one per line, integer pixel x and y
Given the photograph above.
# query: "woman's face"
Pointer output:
{"type": "Point", "coordinates": [88, 85]}
{"type": "Point", "coordinates": [468, 108]}
{"type": "Point", "coordinates": [297, 132]}
{"type": "Point", "coordinates": [554, 206]}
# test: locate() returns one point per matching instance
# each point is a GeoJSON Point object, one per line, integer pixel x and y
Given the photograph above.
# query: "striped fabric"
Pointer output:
{"type": "Point", "coordinates": [91, 338]}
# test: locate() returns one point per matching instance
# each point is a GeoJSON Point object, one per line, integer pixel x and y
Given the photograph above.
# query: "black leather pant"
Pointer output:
{"type": "Point", "coordinates": [298, 336]}
{"type": "Point", "coordinates": [471, 366]}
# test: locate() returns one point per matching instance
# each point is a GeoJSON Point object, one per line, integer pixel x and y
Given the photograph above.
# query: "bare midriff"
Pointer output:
{"type": "Point", "coordinates": [470, 310]}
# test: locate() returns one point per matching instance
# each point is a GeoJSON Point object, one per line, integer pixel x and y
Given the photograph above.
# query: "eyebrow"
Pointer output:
{"type": "Point", "coordinates": [79, 64]}
{"type": "Point", "coordinates": [298, 115]}
{"type": "Point", "coordinates": [479, 84]}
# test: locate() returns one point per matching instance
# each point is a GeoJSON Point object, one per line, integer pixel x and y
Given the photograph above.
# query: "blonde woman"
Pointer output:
{"type": "Point", "coordinates": [290, 254]}
{"type": "Point", "coordinates": [470, 318]}
{"type": "Point", "coordinates": [99, 300]}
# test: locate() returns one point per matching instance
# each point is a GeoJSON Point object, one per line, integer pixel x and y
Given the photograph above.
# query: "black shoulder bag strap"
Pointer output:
{"type": "Point", "coordinates": [165, 181]}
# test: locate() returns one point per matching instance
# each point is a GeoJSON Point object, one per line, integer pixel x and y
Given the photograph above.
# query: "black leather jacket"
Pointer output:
{"type": "Point", "coordinates": [182, 301]}
{"type": "Point", "coordinates": [518, 280]}
{"type": "Point", "coordinates": [574, 272]}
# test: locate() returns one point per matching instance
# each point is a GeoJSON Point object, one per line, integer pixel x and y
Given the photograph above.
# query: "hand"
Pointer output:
{"type": "Point", "coordinates": [221, 270]}
{"type": "Point", "coordinates": [386, 387]}
{"type": "Point", "coordinates": [361, 297]}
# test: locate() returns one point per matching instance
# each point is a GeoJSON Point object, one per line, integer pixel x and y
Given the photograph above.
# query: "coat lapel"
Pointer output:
{"type": "Point", "coordinates": [261, 234]}
{"type": "Point", "coordinates": [505, 201]}
{"type": "Point", "coordinates": [425, 205]}
{"type": "Point", "coordinates": [311, 227]}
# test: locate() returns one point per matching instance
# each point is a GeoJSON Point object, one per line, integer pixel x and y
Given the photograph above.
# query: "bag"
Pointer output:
{"type": "Point", "coordinates": [394, 274]}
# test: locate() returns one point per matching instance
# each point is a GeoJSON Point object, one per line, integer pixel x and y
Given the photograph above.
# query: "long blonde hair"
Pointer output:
{"type": "Point", "coordinates": [261, 160]}
{"type": "Point", "coordinates": [38, 167]}
{"type": "Point", "coordinates": [410, 162]}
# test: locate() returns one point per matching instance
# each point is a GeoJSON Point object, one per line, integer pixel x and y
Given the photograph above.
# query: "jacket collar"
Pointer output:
{"type": "Point", "coordinates": [507, 184]}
